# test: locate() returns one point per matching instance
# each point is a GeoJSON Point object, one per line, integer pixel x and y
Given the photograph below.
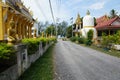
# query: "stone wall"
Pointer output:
{"type": "Point", "coordinates": [10, 74]}
{"type": "Point", "coordinates": [23, 61]}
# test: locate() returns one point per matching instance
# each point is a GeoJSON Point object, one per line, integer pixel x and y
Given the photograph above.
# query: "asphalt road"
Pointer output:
{"type": "Point", "coordinates": [75, 62]}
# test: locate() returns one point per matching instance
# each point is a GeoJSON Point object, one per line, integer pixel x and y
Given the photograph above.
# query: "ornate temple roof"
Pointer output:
{"type": "Point", "coordinates": [78, 20]}
{"type": "Point", "coordinates": [107, 24]}
{"type": "Point", "coordinates": [18, 6]}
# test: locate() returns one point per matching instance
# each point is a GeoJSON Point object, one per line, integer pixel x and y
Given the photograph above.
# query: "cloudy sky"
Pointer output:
{"type": "Point", "coordinates": [65, 9]}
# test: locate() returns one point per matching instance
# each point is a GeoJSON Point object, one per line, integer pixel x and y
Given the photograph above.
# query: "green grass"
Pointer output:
{"type": "Point", "coordinates": [110, 52]}
{"type": "Point", "coordinates": [42, 69]}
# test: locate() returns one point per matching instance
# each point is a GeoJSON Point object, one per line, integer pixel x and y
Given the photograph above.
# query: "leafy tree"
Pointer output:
{"type": "Point", "coordinates": [95, 23]}
{"type": "Point", "coordinates": [62, 28]}
{"type": "Point", "coordinates": [50, 30]}
{"type": "Point", "coordinates": [43, 26]}
{"type": "Point", "coordinates": [69, 32]}
{"type": "Point", "coordinates": [113, 13]}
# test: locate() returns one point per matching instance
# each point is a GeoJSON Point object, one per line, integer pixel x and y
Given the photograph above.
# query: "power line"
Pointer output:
{"type": "Point", "coordinates": [51, 11]}
{"type": "Point", "coordinates": [53, 16]}
{"type": "Point", "coordinates": [37, 3]}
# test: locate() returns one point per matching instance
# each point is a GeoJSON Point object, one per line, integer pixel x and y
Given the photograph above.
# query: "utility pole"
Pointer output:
{"type": "Point", "coordinates": [71, 19]}
{"type": "Point", "coordinates": [57, 20]}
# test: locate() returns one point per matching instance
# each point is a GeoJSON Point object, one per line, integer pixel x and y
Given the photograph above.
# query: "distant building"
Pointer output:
{"type": "Point", "coordinates": [106, 25]}
{"type": "Point", "coordinates": [88, 24]}
{"type": "Point", "coordinates": [77, 26]}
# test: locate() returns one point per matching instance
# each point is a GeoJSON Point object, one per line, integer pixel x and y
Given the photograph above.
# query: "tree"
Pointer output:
{"type": "Point", "coordinates": [69, 32]}
{"type": "Point", "coordinates": [95, 23]}
{"type": "Point", "coordinates": [50, 30]}
{"type": "Point", "coordinates": [62, 28]}
{"type": "Point", "coordinates": [90, 34]}
{"type": "Point", "coordinates": [42, 27]}
{"type": "Point", "coordinates": [113, 13]}
{"type": "Point", "coordinates": [89, 37]}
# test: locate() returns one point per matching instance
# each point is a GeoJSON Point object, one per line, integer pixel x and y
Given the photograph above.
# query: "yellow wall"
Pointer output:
{"type": "Point", "coordinates": [1, 23]}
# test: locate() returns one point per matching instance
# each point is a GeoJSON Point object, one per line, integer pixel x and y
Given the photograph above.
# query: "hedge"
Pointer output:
{"type": "Point", "coordinates": [33, 44]}
{"type": "Point", "coordinates": [6, 51]}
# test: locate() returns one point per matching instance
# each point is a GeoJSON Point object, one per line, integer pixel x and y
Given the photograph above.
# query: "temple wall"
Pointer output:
{"type": "Point", "coordinates": [22, 18]}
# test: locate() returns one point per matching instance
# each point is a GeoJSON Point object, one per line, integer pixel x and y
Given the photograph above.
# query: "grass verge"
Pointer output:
{"type": "Point", "coordinates": [42, 69]}
{"type": "Point", "coordinates": [110, 52]}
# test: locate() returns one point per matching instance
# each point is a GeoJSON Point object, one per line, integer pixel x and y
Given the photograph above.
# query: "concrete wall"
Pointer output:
{"type": "Point", "coordinates": [10, 74]}
{"type": "Point", "coordinates": [23, 62]}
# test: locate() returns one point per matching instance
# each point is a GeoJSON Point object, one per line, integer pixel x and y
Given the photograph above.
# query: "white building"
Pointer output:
{"type": "Point", "coordinates": [88, 24]}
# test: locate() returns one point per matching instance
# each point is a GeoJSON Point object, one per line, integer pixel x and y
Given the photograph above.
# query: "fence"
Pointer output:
{"type": "Point", "coordinates": [23, 61]}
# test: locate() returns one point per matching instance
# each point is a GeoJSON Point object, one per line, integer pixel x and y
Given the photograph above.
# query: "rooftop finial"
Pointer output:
{"type": "Point", "coordinates": [78, 20]}
{"type": "Point", "coordinates": [88, 12]}
{"type": "Point", "coordinates": [78, 15]}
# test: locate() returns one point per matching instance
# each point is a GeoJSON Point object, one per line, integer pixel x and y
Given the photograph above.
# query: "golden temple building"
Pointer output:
{"type": "Point", "coordinates": [77, 26]}
{"type": "Point", "coordinates": [16, 20]}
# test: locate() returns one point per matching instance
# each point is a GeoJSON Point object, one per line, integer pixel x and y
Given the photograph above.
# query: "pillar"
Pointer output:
{"type": "Point", "coordinates": [5, 13]}
{"type": "Point", "coordinates": [31, 30]}
{"type": "Point", "coordinates": [26, 29]}
{"type": "Point", "coordinates": [1, 23]}
{"type": "Point", "coordinates": [20, 25]}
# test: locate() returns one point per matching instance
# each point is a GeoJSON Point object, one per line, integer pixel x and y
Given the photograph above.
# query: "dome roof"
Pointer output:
{"type": "Point", "coordinates": [88, 20]}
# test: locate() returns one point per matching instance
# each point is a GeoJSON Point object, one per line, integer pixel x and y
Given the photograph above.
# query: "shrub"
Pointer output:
{"type": "Point", "coordinates": [7, 56]}
{"type": "Point", "coordinates": [73, 39]}
{"type": "Point", "coordinates": [44, 41]}
{"type": "Point", "coordinates": [89, 37]}
{"type": "Point", "coordinates": [90, 34]}
{"type": "Point", "coordinates": [81, 40]}
{"type": "Point", "coordinates": [54, 39]}
{"type": "Point", "coordinates": [6, 51]}
{"type": "Point", "coordinates": [110, 39]}
{"type": "Point", "coordinates": [33, 45]}
{"type": "Point", "coordinates": [88, 42]}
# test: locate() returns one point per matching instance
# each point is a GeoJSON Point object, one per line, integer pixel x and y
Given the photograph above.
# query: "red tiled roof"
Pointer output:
{"type": "Point", "coordinates": [102, 19]}
{"type": "Point", "coordinates": [107, 24]}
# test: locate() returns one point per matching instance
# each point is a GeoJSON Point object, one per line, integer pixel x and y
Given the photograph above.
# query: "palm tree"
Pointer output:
{"type": "Point", "coordinates": [113, 13]}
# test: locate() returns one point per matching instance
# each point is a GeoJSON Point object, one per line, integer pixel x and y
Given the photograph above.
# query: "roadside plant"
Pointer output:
{"type": "Point", "coordinates": [6, 51]}
{"type": "Point", "coordinates": [33, 44]}
{"type": "Point", "coordinates": [88, 41]}
{"type": "Point", "coordinates": [110, 39]}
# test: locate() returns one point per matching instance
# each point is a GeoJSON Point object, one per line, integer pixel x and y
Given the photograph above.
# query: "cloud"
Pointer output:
{"type": "Point", "coordinates": [72, 2]}
{"type": "Point", "coordinates": [96, 6]}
